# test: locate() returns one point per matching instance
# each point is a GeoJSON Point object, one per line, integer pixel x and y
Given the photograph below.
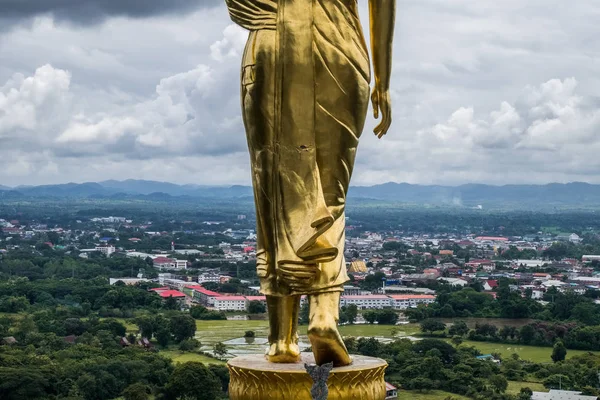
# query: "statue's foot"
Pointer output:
{"type": "Point", "coordinates": [328, 346]}
{"type": "Point", "coordinates": [281, 352]}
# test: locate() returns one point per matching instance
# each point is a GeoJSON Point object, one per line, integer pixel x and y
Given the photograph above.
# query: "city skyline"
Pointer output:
{"type": "Point", "coordinates": [483, 93]}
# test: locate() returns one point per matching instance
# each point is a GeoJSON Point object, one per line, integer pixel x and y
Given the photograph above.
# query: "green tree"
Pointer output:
{"type": "Point", "coordinates": [370, 316]}
{"type": "Point", "coordinates": [171, 303]}
{"type": "Point", "coordinates": [432, 325]}
{"type": "Point", "coordinates": [527, 334]}
{"type": "Point", "coordinates": [525, 394]}
{"type": "Point", "coordinates": [136, 391]}
{"type": "Point", "coordinates": [459, 328]}
{"type": "Point", "coordinates": [22, 383]}
{"type": "Point", "coordinates": [198, 311]}
{"type": "Point", "coordinates": [256, 307]}
{"type": "Point", "coordinates": [182, 327]}
{"type": "Point", "coordinates": [193, 381]}
{"type": "Point", "coordinates": [222, 373]}
{"type": "Point", "coordinates": [351, 312]}
{"type": "Point", "coordinates": [304, 314]}
{"type": "Point", "coordinates": [387, 317]}
{"type": "Point", "coordinates": [457, 340]}
{"type": "Point", "coordinates": [145, 326]}
{"type": "Point", "coordinates": [220, 349]}
{"type": "Point", "coordinates": [163, 336]}
{"type": "Point", "coordinates": [189, 345]}
{"type": "Point", "coordinates": [559, 351]}
{"type": "Point", "coordinates": [558, 381]}
{"type": "Point", "coordinates": [499, 383]}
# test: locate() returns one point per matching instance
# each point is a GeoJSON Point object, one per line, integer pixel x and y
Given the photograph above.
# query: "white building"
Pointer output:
{"type": "Point", "coordinates": [162, 262]}
{"type": "Point", "coordinates": [553, 283]}
{"type": "Point", "coordinates": [590, 257]}
{"type": "Point", "coordinates": [529, 263]}
{"type": "Point", "coordinates": [230, 303]}
{"type": "Point", "coordinates": [107, 250]}
{"type": "Point", "coordinates": [586, 280]}
{"type": "Point", "coordinates": [404, 301]}
{"type": "Point", "coordinates": [560, 395]}
{"type": "Point", "coordinates": [127, 281]}
{"type": "Point", "coordinates": [372, 301]}
{"type": "Point", "coordinates": [209, 277]}
{"type": "Point", "coordinates": [454, 281]}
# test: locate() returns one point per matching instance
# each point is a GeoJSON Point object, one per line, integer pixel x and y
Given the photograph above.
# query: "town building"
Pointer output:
{"type": "Point", "coordinates": [391, 392]}
{"type": "Point", "coordinates": [454, 281]}
{"type": "Point", "coordinates": [490, 285]}
{"type": "Point", "coordinates": [405, 301]}
{"type": "Point", "coordinates": [204, 296]}
{"type": "Point", "coordinates": [230, 303]}
{"type": "Point", "coordinates": [209, 277]}
{"type": "Point", "coordinates": [162, 262]}
{"type": "Point", "coordinates": [367, 301]}
{"type": "Point", "coordinates": [561, 395]}
{"type": "Point", "coordinates": [127, 281]}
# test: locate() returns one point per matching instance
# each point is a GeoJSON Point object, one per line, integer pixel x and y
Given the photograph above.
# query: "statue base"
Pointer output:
{"type": "Point", "coordinates": [254, 378]}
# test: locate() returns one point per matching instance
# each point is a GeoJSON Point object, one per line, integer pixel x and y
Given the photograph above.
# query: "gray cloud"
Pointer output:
{"type": "Point", "coordinates": [491, 92]}
{"type": "Point", "coordinates": [94, 11]}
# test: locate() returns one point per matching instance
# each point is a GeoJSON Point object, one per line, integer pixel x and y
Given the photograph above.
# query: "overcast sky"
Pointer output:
{"type": "Point", "coordinates": [484, 91]}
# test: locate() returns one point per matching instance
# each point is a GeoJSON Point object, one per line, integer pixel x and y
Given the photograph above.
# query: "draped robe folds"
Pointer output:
{"type": "Point", "coordinates": [305, 94]}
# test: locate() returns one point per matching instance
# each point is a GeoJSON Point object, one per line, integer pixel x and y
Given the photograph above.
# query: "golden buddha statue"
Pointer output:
{"type": "Point", "coordinates": [305, 95]}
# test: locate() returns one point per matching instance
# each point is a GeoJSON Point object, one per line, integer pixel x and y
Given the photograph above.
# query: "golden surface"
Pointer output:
{"type": "Point", "coordinates": [253, 378]}
{"type": "Point", "coordinates": [305, 95]}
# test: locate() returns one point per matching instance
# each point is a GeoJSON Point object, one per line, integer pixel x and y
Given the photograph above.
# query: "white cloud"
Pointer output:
{"type": "Point", "coordinates": [496, 93]}
{"type": "Point", "coordinates": [232, 44]}
{"type": "Point", "coordinates": [25, 103]}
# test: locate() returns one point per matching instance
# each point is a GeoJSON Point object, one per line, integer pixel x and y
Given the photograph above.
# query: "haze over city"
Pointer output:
{"type": "Point", "coordinates": [485, 92]}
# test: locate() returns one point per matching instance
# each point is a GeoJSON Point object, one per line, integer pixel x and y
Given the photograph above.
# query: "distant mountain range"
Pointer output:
{"type": "Point", "coordinates": [471, 195]}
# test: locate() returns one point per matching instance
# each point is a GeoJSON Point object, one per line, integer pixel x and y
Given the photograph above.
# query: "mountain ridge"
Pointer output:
{"type": "Point", "coordinates": [467, 195]}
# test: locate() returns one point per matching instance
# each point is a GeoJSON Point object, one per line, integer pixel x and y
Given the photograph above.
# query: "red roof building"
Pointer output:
{"type": "Point", "coordinates": [262, 299]}
{"type": "Point", "coordinates": [490, 285]}
{"type": "Point", "coordinates": [492, 238]}
{"type": "Point", "coordinates": [171, 293]}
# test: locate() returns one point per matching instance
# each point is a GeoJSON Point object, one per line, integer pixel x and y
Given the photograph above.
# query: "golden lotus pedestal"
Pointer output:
{"type": "Point", "coordinates": [254, 378]}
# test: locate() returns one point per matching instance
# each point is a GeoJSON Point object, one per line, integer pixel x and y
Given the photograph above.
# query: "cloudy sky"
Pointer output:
{"type": "Point", "coordinates": [484, 91]}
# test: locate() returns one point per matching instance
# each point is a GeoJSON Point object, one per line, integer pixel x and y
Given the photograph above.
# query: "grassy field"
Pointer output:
{"type": "Point", "coordinates": [210, 332]}
{"type": "Point", "coordinates": [377, 330]}
{"type": "Point", "coordinates": [532, 353]}
{"type": "Point", "coordinates": [179, 357]}
{"type": "Point", "coordinates": [515, 387]}
{"type": "Point", "coordinates": [128, 323]}
{"type": "Point", "coordinates": [219, 331]}
{"type": "Point", "coordinates": [429, 395]}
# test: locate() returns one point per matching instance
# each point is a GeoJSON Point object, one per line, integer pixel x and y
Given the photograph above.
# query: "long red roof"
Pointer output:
{"type": "Point", "coordinates": [171, 293]}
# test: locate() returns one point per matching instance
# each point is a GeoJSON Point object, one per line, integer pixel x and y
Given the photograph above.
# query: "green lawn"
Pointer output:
{"type": "Point", "coordinates": [429, 395]}
{"type": "Point", "coordinates": [377, 330]}
{"type": "Point", "coordinates": [128, 323]}
{"type": "Point", "coordinates": [532, 353]}
{"type": "Point", "coordinates": [515, 387]}
{"type": "Point", "coordinates": [179, 357]}
{"type": "Point", "coordinates": [211, 332]}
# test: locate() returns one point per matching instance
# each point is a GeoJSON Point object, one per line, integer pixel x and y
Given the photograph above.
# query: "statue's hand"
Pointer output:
{"type": "Point", "coordinates": [382, 102]}
{"type": "Point", "coordinates": [298, 276]}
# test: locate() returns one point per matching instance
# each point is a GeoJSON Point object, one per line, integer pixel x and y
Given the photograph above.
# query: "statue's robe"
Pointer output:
{"type": "Point", "coordinates": [305, 94]}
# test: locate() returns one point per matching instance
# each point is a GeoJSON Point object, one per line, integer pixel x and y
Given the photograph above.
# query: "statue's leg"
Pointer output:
{"type": "Point", "coordinates": [283, 325]}
{"type": "Point", "coordinates": [326, 341]}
